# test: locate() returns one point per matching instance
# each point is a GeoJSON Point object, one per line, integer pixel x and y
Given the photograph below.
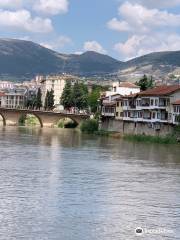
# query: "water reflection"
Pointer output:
{"type": "Point", "coordinates": [60, 184]}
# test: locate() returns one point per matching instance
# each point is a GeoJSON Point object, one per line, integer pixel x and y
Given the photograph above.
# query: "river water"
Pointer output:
{"type": "Point", "coordinates": [62, 185]}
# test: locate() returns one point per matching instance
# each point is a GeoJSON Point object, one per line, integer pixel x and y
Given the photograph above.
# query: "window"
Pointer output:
{"type": "Point", "coordinates": [152, 102]}
{"type": "Point", "coordinates": [117, 114]}
{"type": "Point", "coordinates": [117, 104]}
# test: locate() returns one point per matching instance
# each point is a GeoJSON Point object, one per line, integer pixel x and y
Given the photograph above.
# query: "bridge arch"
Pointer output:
{"type": "Point", "coordinates": [3, 118]}
{"type": "Point", "coordinates": [67, 122]}
{"type": "Point", "coordinates": [23, 116]}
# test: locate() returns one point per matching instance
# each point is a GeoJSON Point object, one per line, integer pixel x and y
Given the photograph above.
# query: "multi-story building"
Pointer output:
{"type": "Point", "coordinates": [176, 112]}
{"type": "Point", "coordinates": [119, 108]}
{"type": "Point", "coordinates": [57, 84]}
{"type": "Point", "coordinates": [13, 98]}
{"type": "Point", "coordinates": [6, 85]}
{"type": "Point", "coordinates": [112, 104]}
{"type": "Point", "coordinates": [108, 108]}
{"type": "Point", "coordinates": [123, 88]}
{"type": "Point", "coordinates": [152, 106]}
{"type": "Point", "coordinates": [157, 105]}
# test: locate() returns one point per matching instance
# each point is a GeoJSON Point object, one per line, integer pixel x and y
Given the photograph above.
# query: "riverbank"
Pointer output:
{"type": "Point", "coordinates": [91, 127]}
{"type": "Point", "coordinates": [152, 139]}
{"type": "Point", "coordinates": [140, 138]}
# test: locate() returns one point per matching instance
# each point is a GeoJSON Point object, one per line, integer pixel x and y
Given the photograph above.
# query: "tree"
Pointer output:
{"type": "Point", "coordinates": [145, 83]}
{"type": "Point", "coordinates": [93, 98]}
{"type": "Point", "coordinates": [66, 98]}
{"type": "Point", "coordinates": [46, 103]}
{"type": "Point", "coordinates": [38, 102]}
{"type": "Point", "coordinates": [79, 96]}
{"type": "Point", "coordinates": [51, 100]}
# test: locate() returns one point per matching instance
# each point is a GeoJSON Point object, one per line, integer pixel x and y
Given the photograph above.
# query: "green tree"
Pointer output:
{"type": "Point", "coordinates": [51, 100]}
{"type": "Point", "coordinates": [93, 99]}
{"type": "Point", "coordinates": [145, 83]}
{"type": "Point", "coordinates": [38, 102]}
{"type": "Point", "coordinates": [46, 103]}
{"type": "Point", "coordinates": [66, 98]}
{"type": "Point", "coordinates": [79, 96]}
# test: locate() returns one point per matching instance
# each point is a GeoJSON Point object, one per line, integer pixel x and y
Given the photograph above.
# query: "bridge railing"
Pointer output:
{"type": "Point", "coordinates": [66, 112]}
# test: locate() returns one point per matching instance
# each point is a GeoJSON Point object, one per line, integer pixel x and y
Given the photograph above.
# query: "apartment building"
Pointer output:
{"type": "Point", "coordinates": [56, 83]}
{"type": "Point", "coordinates": [154, 105]}
{"type": "Point", "coordinates": [13, 98]}
{"type": "Point", "coordinates": [176, 112]}
{"type": "Point", "coordinates": [157, 105]}
{"type": "Point", "coordinates": [109, 104]}
{"type": "Point", "coordinates": [112, 104]}
{"type": "Point", "coordinates": [6, 85]}
{"type": "Point", "coordinates": [123, 88]}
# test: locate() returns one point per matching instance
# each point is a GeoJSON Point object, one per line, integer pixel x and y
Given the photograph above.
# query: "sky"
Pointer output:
{"type": "Point", "coordinates": [122, 29]}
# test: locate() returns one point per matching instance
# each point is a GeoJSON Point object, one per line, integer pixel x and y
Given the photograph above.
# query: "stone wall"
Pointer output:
{"type": "Point", "coordinates": [125, 127]}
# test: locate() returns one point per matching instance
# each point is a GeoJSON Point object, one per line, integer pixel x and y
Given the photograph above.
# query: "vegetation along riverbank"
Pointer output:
{"type": "Point", "coordinates": [91, 127]}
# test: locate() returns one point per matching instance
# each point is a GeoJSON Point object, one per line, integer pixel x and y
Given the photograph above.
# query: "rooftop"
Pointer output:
{"type": "Point", "coordinates": [128, 85]}
{"type": "Point", "coordinates": [160, 90]}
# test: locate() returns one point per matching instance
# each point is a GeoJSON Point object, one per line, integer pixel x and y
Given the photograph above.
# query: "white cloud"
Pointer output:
{"type": "Point", "coordinates": [159, 3]}
{"type": "Point", "coordinates": [57, 44]}
{"type": "Point", "coordinates": [10, 3]}
{"type": "Point", "coordinates": [78, 53]}
{"type": "Point", "coordinates": [94, 46]}
{"type": "Point", "coordinates": [117, 25]}
{"type": "Point", "coordinates": [138, 45]}
{"type": "Point", "coordinates": [149, 30]}
{"type": "Point", "coordinates": [139, 18]}
{"type": "Point", "coordinates": [22, 20]}
{"type": "Point", "coordinates": [51, 7]}
{"type": "Point", "coordinates": [46, 45]}
{"type": "Point", "coordinates": [62, 41]}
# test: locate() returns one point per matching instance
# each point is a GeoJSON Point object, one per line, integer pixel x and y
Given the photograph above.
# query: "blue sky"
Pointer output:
{"type": "Point", "coordinates": [121, 29]}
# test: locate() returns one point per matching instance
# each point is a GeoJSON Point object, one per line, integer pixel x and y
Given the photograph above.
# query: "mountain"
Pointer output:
{"type": "Point", "coordinates": [19, 58]}
{"type": "Point", "coordinates": [159, 64]}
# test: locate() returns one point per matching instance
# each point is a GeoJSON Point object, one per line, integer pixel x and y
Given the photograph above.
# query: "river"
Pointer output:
{"type": "Point", "coordinates": [59, 184]}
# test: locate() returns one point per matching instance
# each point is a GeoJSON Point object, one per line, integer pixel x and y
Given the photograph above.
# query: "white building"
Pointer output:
{"type": "Point", "coordinates": [123, 88]}
{"type": "Point", "coordinates": [6, 85]}
{"type": "Point", "coordinates": [153, 106]}
{"type": "Point", "coordinates": [57, 84]}
{"type": "Point", "coordinates": [176, 112]}
{"type": "Point", "coordinates": [15, 98]}
{"type": "Point", "coordinates": [108, 107]}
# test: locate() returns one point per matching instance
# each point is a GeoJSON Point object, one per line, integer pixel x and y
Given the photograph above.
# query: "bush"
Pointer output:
{"type": "Point", "coordinates": [89, 126]}
{"type": "Point", "coordinates": [169, 139]}
{"type": "Point", "coordinates": [70, 125]}
{"type": "Point", "coordinates": [22, 120]}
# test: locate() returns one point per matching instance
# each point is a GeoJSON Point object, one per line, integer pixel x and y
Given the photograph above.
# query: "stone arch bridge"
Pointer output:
{"type": "Point", "coordinates": [46, 118]}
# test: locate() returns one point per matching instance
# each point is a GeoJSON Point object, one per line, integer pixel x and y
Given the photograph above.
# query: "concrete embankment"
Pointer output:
{"type": "Point", "coordinates": [136, 128]}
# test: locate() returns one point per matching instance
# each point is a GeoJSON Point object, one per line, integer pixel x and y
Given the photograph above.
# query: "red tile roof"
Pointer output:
{"type": "Point", "coordinates": [177, 102]}
{"type": "Point", "coordinates": [160, 90]}
{"type": "Point", "coordinates": [2, 94]}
